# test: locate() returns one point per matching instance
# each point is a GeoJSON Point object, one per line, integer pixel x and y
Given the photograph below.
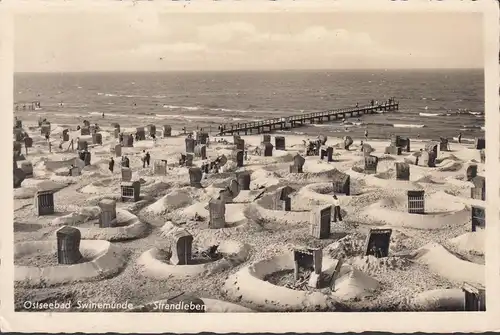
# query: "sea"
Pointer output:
{"type": "Point", "coordinates": [432, 103]}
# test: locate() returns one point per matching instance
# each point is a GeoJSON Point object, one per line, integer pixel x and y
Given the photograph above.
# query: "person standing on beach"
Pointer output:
{"type": "Point", "coordinates": [103, 115]}
{"type": "Point", "coordinates": [144, 158]}
{"type": "Point", "coordinates": [366, 135]}
{"type": "Point", "coordinates": [111, 164]}
{"type": "Point", "coordinates": [148, 158]}
{"type": "Point", "coordinates": [460, 137]}
{"type": "Point", "coordinates": [336, 209]}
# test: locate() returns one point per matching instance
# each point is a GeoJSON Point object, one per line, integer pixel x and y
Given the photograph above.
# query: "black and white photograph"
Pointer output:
{"type": "Point", "coordinates": [249, 162]}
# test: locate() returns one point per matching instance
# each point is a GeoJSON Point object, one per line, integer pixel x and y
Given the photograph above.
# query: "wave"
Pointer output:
{"type": "Point", "coordinates": [123, 95]}
{"type": "Point", "coordinates": [431, 114]}
{"type": "Point", "coordinates": [191, 108]}
{"type": "Point", "coordinates": [199, 117]}
{"type": "Point", "coordinates": [471, 127]}
{"type": "Point", "coordinates": [408, 125]}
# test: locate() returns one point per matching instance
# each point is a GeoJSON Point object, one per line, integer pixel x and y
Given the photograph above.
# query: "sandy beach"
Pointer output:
{"type": "Point", "coordinates": [431, 255]}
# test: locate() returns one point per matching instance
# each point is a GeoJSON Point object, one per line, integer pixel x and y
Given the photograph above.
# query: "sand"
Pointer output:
{"type": "Point", "coordinates": [428, 255]}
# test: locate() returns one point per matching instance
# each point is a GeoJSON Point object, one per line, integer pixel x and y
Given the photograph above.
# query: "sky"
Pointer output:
{"type": "Point", "coordinates": [151, 41]}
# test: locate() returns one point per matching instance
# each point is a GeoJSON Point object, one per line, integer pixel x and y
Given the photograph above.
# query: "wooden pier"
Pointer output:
{"type": "Point", "coordinates": [266, 126]}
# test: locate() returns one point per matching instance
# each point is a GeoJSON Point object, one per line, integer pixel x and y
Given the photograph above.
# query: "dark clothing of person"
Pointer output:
{"type": "Point", "coordinates": [111, 165]}
{"type": "Point", "coordinates": [337, 214]}
{"type": "Point", "coordinates": [147, 158]}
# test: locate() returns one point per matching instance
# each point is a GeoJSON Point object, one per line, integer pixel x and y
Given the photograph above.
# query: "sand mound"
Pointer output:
{"type": "Point", "coordinates": [24, 193]}
{"type": "Point", "coordinates": [248, 285]}
{"type": "Point", "coordinates": [388, 180]}
{"type": "Point", "coordinates": [97, 186]}
{"type": "Point", "coordinates": [447, 265]}
{"type": "Point", "coordinates": [429, 179]}
{"type": "Point", "coordinates": [173, 200]}
{"type": "Point", "coordinates": [153, 263]}
{"type": "Point", "coordinates": [234, 213]}
{"type": "Point", "coordinates": [450, 166]}
{"type": "Point", "coordinates": [441, 210]}
{"type": "Point", "coordinates": [473, 242]}
{"type": "Point", "coordinates": [106, 261]}
{"type": "Point", "coordinates": [168, 229]}
{"type": "Point", "coordinates": [346, 247]}
{"type": "Point", "coordinates": [55, 163]}
{"type": "Point", "coordinates": [263, 178]}
{"type": "Point", "coordinates": [83, 215]}
{"type": "Point", "coordinates": [450, 157]}
{"type": "Point", "coordinates": [47, 185]}
{"type": "Point", "coordinates": [353, 284]}
{"type": "Point", "coordinates": [440, 300]}
{"type": "Point", "coordinates": [128, 227]}
{"type": "Point", "coordinates": [371, 264]}
{"type": "Point", "coordinates": [263, 216]}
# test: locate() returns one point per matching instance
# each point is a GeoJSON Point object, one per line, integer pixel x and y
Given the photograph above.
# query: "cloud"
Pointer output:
{"type": "Point", "coordinates": [226, 32]}
{"type": "Point", "coordinates": [245, 35]}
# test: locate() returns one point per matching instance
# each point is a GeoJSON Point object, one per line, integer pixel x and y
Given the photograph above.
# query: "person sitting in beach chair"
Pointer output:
{"type": "Point", "coordinates": [182, 160]}
{"type": "Point", "coordinates": [81, 155]}
{"type": "Point", "coordinates": [125, 162]}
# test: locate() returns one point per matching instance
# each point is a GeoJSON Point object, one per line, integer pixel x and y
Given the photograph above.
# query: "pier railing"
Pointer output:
{"type": "Point", "coordinates": [297, 120]}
